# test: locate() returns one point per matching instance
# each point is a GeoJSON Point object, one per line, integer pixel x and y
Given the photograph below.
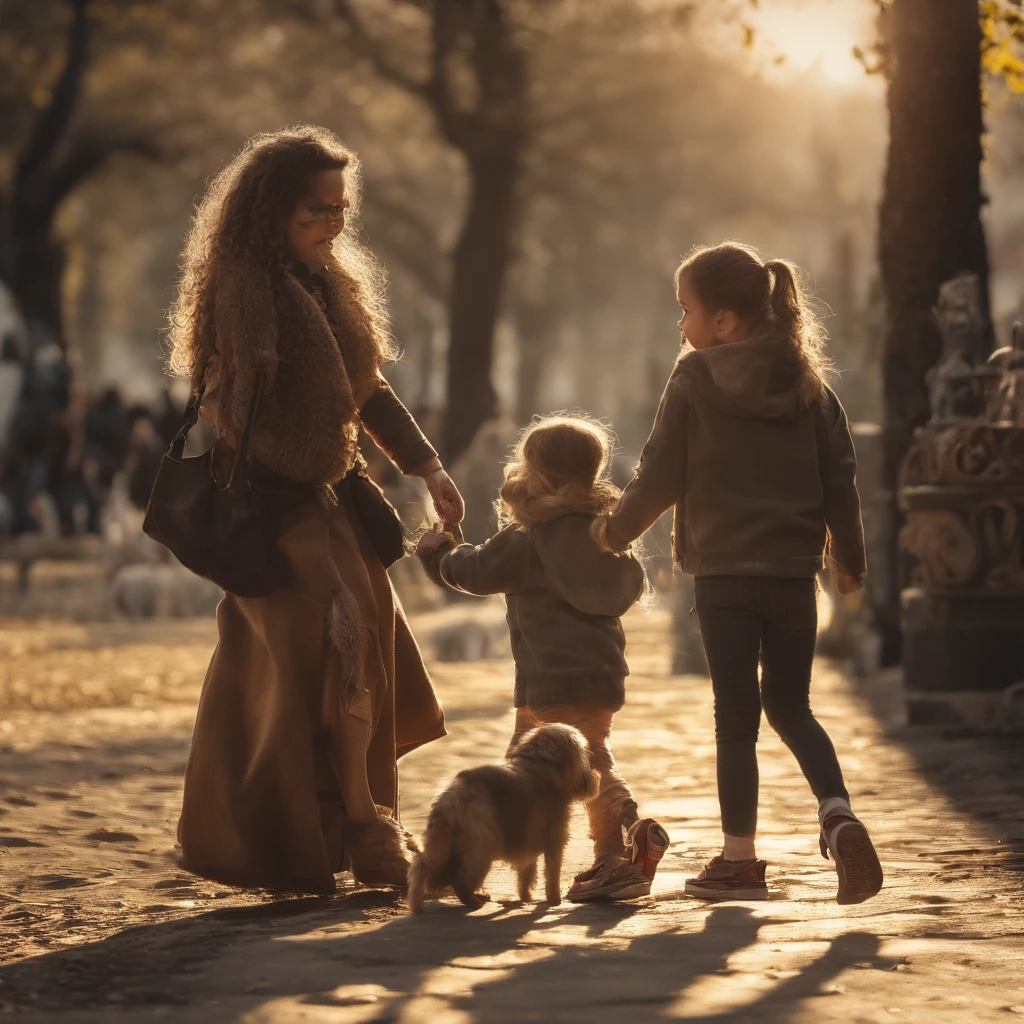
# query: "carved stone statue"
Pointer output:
{"type": "Point", "coordinates": [1005, 404]}
{"type": "Point", "coordinates": [962, 489]}
{"type": "Point", "coordinates": [953, 388]}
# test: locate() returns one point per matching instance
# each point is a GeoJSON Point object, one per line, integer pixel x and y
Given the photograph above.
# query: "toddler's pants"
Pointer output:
{"type": "Point", "coordinates": [613, 809]}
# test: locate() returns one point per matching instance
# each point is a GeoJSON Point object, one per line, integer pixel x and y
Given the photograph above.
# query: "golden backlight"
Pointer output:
{"type": "Point", "coordinates": [815, 35]}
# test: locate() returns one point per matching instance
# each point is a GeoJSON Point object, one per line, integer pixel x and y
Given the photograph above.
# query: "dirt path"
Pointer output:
{"type": "Point", "coordinates": [97, 924]}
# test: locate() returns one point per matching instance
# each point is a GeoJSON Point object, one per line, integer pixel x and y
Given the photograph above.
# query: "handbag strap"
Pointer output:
{"type": "Point", "coordinates": [241, 464]}
{"type": "Point", "coordinates": [191, 417]}
{"type": "Point", "coordinates": [189, 420]}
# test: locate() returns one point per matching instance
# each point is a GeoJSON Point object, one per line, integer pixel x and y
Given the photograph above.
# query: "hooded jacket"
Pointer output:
{"type": "Point", "coordinates": [761, 485]}
{"type": "Point", "coordinates": [563, 597]}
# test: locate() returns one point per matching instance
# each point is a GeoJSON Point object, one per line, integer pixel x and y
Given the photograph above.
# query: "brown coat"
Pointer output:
{"type": "Point", "coordinates": [280, 759]}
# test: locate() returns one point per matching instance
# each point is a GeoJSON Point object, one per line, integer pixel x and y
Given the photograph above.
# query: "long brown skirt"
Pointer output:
{"type": "Point", "coordinates": [280, 759]}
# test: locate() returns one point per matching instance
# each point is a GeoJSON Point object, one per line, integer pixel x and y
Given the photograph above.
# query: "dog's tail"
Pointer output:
{"type": "Point", "coordinates": [417, 885]}
{"type": "Point", "coordinates": [430, 867]}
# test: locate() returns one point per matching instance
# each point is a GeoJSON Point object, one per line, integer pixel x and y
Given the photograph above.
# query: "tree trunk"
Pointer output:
{"type": "Point", "coordinates": [480, 260]}
{"type": "Point", "coordinates": [930, 225]}
{"type": "Point", "coordinates": [34, 258]}
{"type": "Point", "coordinates": [535, 342]}
{"type": "Point", "coordinates": [38, 277]}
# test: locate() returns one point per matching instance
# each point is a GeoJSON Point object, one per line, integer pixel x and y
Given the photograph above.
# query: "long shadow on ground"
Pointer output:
{"type": "Point", "coordinates": [308, 950]}
{"type": "Point", "coordinates": [980, 772]}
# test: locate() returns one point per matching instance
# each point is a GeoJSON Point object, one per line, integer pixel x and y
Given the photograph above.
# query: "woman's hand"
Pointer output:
{"type": "Point", "coordinates": [847, 584]}
{"type": "Point", "coordinates": [448, 502]}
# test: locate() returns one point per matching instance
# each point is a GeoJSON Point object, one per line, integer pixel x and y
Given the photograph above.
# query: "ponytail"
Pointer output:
{"type": "Point", "coordinates": [806, 338]}
{"type": "Point", "coordinates": [784, 299]}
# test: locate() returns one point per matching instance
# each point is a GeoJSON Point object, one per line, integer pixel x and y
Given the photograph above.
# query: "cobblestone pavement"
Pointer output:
{"type": "Point", "coordinates": [97, 924]}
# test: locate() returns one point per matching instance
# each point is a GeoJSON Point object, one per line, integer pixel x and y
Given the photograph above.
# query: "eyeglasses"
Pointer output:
{"type": "Point", "coordinates": [327, 214]}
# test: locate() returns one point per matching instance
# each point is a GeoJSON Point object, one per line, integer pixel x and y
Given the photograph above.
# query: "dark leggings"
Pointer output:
{"type": "Point", "coordinates": [744, 619]}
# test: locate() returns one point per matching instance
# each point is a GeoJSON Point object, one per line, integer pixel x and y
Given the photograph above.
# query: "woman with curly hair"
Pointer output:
{"type": "Point", "coordinates": [315, 690]}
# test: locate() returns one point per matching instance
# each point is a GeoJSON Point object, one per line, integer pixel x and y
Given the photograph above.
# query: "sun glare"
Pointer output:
{"type": "Point", "coordinates": [814, 35]}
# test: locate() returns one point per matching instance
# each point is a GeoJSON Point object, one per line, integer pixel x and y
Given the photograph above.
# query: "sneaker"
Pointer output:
{"type": "Point", "coordinates": [626, 879]}
{"type": "Point", "coordinates": [860, 873]}
{"type": "Point", "coordinates": [725, 879]}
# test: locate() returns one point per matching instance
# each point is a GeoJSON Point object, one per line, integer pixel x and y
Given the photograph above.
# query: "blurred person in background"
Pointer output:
{"type": "Point", "coordinates": [107, 429]}
{"type": "Point", "coordinates": [70, 473]}
{"type": "Point", "coordinates": [145, 450]}
{"type": "Point", "coordinates": [36, 434]}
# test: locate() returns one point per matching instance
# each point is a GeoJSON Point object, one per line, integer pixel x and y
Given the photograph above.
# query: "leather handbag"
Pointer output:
{"type": "Point", "coordinates": [379, 518]}
{"type": "Point", "coordinates": [224, 532]}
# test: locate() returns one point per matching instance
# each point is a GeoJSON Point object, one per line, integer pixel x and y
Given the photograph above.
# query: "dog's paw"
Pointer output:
{"type": "Point", "coordinates": [553, 899]}
{"type": "Point", "coordinates": [473, 900]}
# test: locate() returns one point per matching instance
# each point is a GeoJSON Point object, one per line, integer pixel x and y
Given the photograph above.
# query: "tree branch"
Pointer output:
{"type": "Point", "coordinates": [84, 159]}
{"type": "Point", "coordinates": [419, 253]}
{"type": "Point", "coordinates": [372, 49]}
{"type": "Point", "coordinates": [53, 120]}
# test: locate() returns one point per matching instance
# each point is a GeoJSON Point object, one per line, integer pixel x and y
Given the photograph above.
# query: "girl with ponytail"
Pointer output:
{"type": "Point", "coordinates": [752, 448]}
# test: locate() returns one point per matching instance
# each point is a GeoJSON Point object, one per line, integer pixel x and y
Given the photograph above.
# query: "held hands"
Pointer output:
{"type": "Point", "coordinates": [448, 502]}
{"type": "Point", "coordinates": [433, 543]}
{"type": "Point", "coordinates": [431, 547]}
{"type": "Point", "coordinates": [847, 584]}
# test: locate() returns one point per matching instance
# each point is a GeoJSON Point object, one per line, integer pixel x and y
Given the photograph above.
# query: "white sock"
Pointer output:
{"type": "Point", "coordinates": [833, 804]}
{"type": "Point", "coordinates": [737, 847]}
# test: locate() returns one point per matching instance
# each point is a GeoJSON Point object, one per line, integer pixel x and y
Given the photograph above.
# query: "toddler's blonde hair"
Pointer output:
{"type": "Point", "coordinates": [557, 468]}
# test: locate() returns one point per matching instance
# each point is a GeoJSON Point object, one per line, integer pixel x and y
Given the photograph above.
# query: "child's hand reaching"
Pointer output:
{"type": "Point", "coordinates": [433, 544]}
{"type": "Point", "coordinates": [847, 584]}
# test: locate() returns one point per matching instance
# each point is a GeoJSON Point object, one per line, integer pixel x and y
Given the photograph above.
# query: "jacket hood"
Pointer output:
{"type": "Point", "coordinates": [752, 379]}
{"type": "Point", "coordinates": [593, 581]}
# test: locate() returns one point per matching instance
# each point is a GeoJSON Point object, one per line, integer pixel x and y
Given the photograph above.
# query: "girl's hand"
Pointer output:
{"type": "Point", "coordinates": [433, 543]}
{"type": "Point", "coordinates": [847, 584]}
{"type": "Point", "coordinates": [448, 502]}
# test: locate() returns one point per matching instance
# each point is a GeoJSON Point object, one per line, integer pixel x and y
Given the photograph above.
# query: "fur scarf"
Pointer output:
{"type": "Point", "coordinates": [318, 363]}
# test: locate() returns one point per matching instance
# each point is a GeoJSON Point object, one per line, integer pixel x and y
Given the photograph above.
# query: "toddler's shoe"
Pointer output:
{"type": "Point", "coordinates": [846, 839]}
{"type": "Point", "coordinates": [628, 879]}
{"type": "Point", "coordinates": [723, 879]}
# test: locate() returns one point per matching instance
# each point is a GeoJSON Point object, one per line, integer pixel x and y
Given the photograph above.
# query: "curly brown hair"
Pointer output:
{"type": "Point", "coordinates": [239, 232]}
{"type": "Point", "coordinates": [733, 276]}
{"type": "Point", "coordinates": [557, 468]}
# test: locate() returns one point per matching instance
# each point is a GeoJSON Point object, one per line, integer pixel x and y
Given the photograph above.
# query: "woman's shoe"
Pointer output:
{"type": "Point", "coordinates": [724, 879]}
{"type": "Point", "coordinates": [379, 851]}
{"type": "Point", "coordinates": [625, 879]}
{"type": "Point", "coordinates": [846, 839]}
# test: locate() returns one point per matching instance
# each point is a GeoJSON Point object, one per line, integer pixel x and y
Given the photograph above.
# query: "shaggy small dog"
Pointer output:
{"type": "Point", "coordinates": [514, 812]}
